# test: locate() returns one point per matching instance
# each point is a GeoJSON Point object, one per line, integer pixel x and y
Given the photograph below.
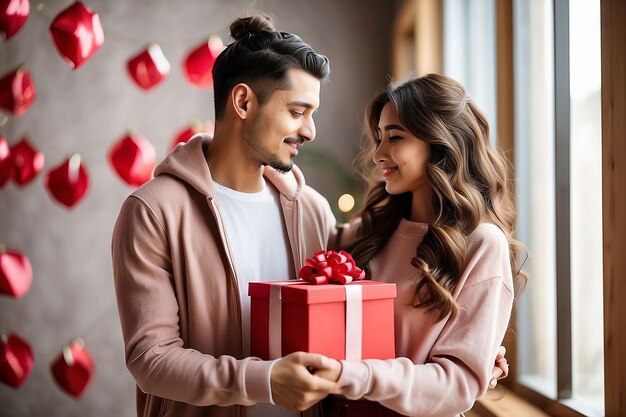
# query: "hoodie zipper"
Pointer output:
{"type": "Point", "coordinates": [222, 230]}
{"type": "Point", "coordinates": [297, 235]}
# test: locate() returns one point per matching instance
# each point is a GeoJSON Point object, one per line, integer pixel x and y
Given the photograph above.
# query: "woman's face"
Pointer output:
{"type": "Point", "coordinates": [400, 155]}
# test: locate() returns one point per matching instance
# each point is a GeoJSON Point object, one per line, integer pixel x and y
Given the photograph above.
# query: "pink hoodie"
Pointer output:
{"type": "Point", "coordinates": [177, 290]}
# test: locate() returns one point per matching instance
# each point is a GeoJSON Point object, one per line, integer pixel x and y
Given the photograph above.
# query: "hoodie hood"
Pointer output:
{"type": "Point", "coordinates": [188, 162]}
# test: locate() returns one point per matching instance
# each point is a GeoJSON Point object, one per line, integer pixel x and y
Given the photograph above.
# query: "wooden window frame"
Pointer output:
{"type": "Point", "coordinates": [613, 27]}
{"type": "Point", "coordinates": [418, 39]}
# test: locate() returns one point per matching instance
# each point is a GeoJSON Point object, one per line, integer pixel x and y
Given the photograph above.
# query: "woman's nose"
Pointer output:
{"type": "Point", "coordinates": [380, 155]}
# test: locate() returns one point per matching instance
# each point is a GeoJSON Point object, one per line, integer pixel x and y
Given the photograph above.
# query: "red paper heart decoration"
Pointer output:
{"type": "Point", "coordinates": [134, 159]}
{"type": "Point", "coordinates": [73, 368]}
{"type": "Point", "coordinates": [16, 360]}
{"type": "Point", "coordinates": [16, 274]}
{"type": "Point", "coordinates": [68, 183]}
{"type": "Point", "coordinates": [149, 67]}
{"type": "Point", "coordinates": [194, 127]}
{"type": "Point", "coordinates": [27, 162]}
{"type": "Point", "coordinates": [17, 91]}
{"type": "Point", "coordinates": [13, 15]}
{"type": "Point", "coordinates": [77, 34]}
{"type": "Point", "coordinates": [6, 163]}
{"type": "Point", "coordinates": [198, 65]}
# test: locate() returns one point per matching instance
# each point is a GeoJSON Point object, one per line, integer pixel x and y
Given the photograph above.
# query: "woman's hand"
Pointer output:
{"type": "Point", "coordinates": [500, 368]}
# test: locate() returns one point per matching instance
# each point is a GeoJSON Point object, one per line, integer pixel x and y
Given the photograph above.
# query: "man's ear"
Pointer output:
{"type": "Point", "coordinates": [243, 100]}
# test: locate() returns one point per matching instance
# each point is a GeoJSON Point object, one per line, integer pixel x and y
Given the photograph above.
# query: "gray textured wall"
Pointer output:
{"type": "Point", "coordinates": [86, 110]}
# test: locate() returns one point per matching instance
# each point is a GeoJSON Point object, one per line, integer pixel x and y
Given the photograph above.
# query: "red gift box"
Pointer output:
{"type": "Point", "coordinates": [291, 316]}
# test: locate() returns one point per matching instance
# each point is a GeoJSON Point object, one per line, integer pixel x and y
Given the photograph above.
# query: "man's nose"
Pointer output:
{"type": "Point", "coordinates": [307, 130]}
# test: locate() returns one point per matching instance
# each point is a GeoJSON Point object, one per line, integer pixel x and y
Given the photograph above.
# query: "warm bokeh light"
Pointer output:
{"type": "Point", "coordinates": [346, 203]}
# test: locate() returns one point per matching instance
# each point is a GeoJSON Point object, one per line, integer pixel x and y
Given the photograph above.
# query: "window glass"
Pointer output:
{"type": "Point", "coordinates": [586, 204]}
{"type": "Point", "coordinates": [535, 179]}
{"type": "Point", "coordinates": [470, 52]}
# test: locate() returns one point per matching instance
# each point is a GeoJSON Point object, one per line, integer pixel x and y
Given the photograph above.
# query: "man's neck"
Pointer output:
{"type": "Point", "coordinates": [231, 166]}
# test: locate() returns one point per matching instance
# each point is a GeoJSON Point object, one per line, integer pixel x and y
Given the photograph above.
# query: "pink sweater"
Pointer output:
{"type": "Point", "coordinates": [441, 367]}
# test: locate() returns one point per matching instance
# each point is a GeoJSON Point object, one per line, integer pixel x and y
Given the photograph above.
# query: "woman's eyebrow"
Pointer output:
{"type": "Point", "coordinates": [393, 126]}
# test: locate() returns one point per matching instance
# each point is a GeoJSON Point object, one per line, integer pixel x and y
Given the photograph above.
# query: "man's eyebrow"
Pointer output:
{"type": "Point", "coordinates": [392, 127]}
{"type": "Point", "coordinates": [299, 103]}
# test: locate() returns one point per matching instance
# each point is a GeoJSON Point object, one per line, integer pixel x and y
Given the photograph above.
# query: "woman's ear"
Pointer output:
{"type": "Point", "coordinates": [243, 100]}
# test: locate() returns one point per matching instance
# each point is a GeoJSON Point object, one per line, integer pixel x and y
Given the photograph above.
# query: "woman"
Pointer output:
{"type": "Point", "coordinates": [438, 222]}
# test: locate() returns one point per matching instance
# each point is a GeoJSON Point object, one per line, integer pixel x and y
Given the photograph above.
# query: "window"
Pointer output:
{"type": "Point", "coordinates": [535, 171]}
{"type": "Point", "coordinates": [470, 51]}
{"type": "Point", "coordinates": [559, 185]}
{"type": "Point", "coordinates": [586, 203]}
{"type": "Point", "coordinates": [547, 97]}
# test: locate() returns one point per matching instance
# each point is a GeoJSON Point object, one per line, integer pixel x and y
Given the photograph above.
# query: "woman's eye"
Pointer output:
{"type": "Point", "coordinates": [394, 138]}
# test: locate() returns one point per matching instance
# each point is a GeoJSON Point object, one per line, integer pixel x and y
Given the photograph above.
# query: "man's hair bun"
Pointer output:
{"type": "Point", "coordinates": [247, 26]}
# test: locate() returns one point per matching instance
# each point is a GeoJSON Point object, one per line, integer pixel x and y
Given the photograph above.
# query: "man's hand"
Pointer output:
{"type": "Point", "coordinates": [500, 368]}
{"type": "Point", "coordinates": [294, 387]}
{"type": "Point", "coordinates": [332, 372]}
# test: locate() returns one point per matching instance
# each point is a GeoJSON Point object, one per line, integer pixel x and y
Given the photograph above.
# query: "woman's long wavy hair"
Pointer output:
{"type": "Point", "coordinates": [469, 180]}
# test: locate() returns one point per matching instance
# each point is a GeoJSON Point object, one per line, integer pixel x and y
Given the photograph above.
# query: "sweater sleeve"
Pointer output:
{"type": "Point", "coordinates": [148, 309]}
{"type": "Point", "coordinates": [458, 368]}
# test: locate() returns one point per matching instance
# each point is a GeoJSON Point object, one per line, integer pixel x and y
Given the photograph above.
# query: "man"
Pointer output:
{"type": "Point", "coordinates": [218, 214]}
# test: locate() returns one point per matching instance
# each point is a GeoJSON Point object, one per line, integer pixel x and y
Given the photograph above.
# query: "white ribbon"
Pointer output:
{"type": "Point", "coordinates": [276, 318]}
{"type": "Point", "coordinates": [354, 322]}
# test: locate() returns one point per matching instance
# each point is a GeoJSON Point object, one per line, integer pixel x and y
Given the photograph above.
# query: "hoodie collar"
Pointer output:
{"type": "Point", "coordinates": [188, 163]}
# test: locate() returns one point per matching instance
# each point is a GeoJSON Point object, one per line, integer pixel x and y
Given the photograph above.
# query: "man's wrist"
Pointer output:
{"type": "Point", "coordinates": [270, 381]}
{"type": "Point", "coordinates": [257, 380]}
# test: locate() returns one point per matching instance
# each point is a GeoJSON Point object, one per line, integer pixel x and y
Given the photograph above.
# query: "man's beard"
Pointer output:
{"type": "Point", "coordinates": [279, 165]}
{"type": "Point", "coordinates": [265, 157]}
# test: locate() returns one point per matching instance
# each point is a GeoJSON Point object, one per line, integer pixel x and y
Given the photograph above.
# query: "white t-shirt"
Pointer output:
{"type": "Point", "coordinates": [258, 242]}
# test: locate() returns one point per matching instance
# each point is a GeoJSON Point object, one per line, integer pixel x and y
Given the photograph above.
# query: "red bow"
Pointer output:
{"type": "Point", "coordinates": [330, 267]}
